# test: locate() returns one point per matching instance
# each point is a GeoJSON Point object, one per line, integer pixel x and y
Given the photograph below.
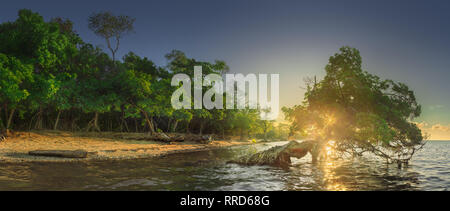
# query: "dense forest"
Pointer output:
{"type": "Point", "coordinates": [51, 79]}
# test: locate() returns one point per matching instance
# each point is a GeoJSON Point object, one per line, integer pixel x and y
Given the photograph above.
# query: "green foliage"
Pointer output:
{"type": "Point", "coordinates": [41, 52]}
{"type": "Point", "coordinates": [13, 75]}
{"type": "Point", "coordinates": [180, 63]}
{"type": "Point", "coordinates": [359, 111]}
{"type": "Point", "coordinates": [109, 26]}
{"type": "Point", "coordinates": [51, 78]}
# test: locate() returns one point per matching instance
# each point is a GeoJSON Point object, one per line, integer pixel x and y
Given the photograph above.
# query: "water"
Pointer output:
{"type": "Point", "coordinates": [429, 170]}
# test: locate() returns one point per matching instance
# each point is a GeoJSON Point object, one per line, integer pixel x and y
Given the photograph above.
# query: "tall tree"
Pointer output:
{"type": "Point", "coordinates": [180, 63]}
{"type": "Point", "coordinates": [147, 90]}
{"type": "Point", "coordinates": [94, 91]}
{"type": "Point", "coordinates": [109, 26]}
{"type": "Point", "coordinates": [13, 75]}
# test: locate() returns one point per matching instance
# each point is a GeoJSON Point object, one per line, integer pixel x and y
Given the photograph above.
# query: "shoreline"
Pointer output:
{"type": "Point", "coordinates": [101, 146]}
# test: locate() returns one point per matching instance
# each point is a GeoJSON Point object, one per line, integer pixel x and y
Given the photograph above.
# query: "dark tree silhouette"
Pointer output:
{"type": "Point", "coordinates": [109, 26]}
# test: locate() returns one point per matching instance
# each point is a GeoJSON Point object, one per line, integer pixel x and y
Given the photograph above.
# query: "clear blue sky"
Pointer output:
{"type": "Point", "coordinates": [406, 41]}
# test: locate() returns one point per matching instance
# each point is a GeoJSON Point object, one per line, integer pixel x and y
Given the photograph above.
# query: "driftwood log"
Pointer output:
{"type": "Point", "coordinates": [204, 139]}
{"type": "Point", "coordinates": [60, 153]}
{"type": "Point", "coordinates": [279, 155]}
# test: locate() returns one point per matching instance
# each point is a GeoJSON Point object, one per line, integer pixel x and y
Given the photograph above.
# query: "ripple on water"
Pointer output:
{"type": "Point", "coordinates": [429, 170]}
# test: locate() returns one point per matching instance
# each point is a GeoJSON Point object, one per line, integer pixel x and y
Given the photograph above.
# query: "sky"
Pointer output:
{"type": "Point", "coordinates": [407, 41]}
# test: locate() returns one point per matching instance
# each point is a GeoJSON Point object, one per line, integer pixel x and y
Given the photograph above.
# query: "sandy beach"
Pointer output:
{"type": "Point", "coordinates": [101, 146]}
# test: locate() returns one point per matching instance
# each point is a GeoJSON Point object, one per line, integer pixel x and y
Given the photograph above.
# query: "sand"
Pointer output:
{"type": "Point", "coordinates": [106, 145]}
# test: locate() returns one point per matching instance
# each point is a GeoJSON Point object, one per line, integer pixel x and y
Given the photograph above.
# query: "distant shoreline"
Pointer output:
{"type": "Point", "coordinates": [102, 146]}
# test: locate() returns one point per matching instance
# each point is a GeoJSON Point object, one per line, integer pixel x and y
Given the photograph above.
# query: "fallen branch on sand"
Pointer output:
{"type": "Point", "coordinates": [204, 139]}
{"type": "Point", "coordinates": [60, 153]}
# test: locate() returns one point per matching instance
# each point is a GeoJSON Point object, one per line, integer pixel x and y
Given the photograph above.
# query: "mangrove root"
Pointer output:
{"type": "Point", "coordinates": [278, 155]}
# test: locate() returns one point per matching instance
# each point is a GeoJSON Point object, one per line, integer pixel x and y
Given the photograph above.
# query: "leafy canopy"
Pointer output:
{"type": "Point", "coordinates": [359, 111]}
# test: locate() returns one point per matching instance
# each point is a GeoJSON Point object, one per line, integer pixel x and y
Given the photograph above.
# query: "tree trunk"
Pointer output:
{"type": "Point", "coordinates": [123, 121]}
{"type": "Point", "coordinates": [314, 158]}
{"type": "Point", "coordinates": [96, 127]}
{"type": "Point", "coordinates": [149, 123]}
{"type": "Point", "coordinates": [278, 155]}
{"type": "Point", "coordinates": [93, 123]}
{"type": "Point", "coordinates": [126, 125]}
{"type": "Point", "coordinates": [8, 124]}
{"type": "Point", "coordinates": [265, 130]}
{"type": "Point", "coordinates": [57, 120]}
{"type": "Point", "coordinates": [1, 121]}
{"type": "Point", "coordinates": [73, 125]}
{"type": "Point", "coordinates": [265, 134]}
{"type": "Point", "coordinates": [175, 126]}
{"type": "Point", "coordinates": [111, 125]}
{"type": "Point", "coordinates": [202, 124]}
{"type": "Point", "coordinates": [187, 127]}
{"type": "Point", "coordinates": [168, 125]}
{"type": "Point", "coordinates": [38, 124]}
{"type": "Point", "coordinates": [136, 125]}
{"type": "Point", "coordinates": [113, 54]}
{"type": "Point", "coordinates": [154, 123]}
{"type": "Point", "coordinates": [6, 113]}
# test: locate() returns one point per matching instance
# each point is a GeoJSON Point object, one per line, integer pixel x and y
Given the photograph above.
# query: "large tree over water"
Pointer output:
{"type": "Point", "coordinates": [356, 112]}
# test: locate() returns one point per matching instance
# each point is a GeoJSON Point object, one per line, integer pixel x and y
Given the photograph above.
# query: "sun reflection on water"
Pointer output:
{"type": "Point", "coordinates": [329, 167]}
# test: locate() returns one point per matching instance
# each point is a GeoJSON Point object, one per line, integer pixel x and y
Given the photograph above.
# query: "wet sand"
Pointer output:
{"type": "Point", "coordinates": [102, 146]}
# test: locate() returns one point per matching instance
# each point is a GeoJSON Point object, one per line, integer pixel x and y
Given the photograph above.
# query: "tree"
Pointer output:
{"type": "Point", "coordinates": [45, 47]}
{"type": "Point", "coordinates": [245, 120]}
{"type": "Point", "coordinates": [13, 75]}
{"type": "Point", "coordinates": [180, 63]}
{"type": "Point", "coordinates": [94, 84]}
{"type": "Point", "coordinates": [356, 112]}
{"type": "Point", "coordinates": [148, 91]}
{"type": "Point", "coordinates": [109, 26]}
{"type": "Point", "coordinates": [64, 98]}
{"type": "Point", "coordinates": [136, 95]}
{"type": "Point", "coordinates": [265, 125]}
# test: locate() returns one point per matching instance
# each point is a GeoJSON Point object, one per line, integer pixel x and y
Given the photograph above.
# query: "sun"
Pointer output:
{"type": "Point", "coordinates": [329, 148]}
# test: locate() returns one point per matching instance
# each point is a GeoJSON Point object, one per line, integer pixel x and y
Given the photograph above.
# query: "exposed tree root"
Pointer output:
{"type": "Point", "coordinates": [279, 155]}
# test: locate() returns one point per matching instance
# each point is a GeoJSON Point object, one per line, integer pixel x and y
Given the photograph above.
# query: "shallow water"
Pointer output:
{"type": "Point", "coordinates": [429, 170]}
